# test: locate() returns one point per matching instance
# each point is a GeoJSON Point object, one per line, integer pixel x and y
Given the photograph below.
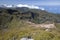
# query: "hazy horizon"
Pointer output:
{"type": "Point", "coordinates": [49, 5]}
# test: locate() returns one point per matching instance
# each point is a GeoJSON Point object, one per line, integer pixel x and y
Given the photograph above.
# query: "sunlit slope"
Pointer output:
{"type": "Point", "coordinates": [19, 28]}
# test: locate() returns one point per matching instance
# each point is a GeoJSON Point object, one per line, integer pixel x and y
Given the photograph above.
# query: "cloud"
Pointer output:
{"type": "Point", "coordinates": [42, 8]}
{"type": "Point", "coordinates": [5, 5]}
{"type": "Point", "coordinates": [25, 5]}
{"type": "Point", "coordinates": [29, 6]}
{"type": "Point", "coordinates": [9, 6]}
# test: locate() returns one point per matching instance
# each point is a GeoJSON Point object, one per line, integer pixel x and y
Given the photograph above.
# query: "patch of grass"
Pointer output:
{"type": "Point", "coordinates": [18, 29]}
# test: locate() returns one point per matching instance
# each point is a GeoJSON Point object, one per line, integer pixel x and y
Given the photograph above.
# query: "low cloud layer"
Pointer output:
{"type": "Point", "coordinates": [9, 6]}
{"type": "Point", "coordinates": [29, 6]}
{"type": "Point", "coordinates": [25, 5]}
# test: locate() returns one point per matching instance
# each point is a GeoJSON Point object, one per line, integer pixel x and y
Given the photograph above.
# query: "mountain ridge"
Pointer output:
{"type": "Point", "coordinates": [31, 14]}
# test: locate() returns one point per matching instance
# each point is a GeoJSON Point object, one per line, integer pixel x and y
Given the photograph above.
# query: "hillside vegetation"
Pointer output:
{"type": "Point", "coordinates": [13, 24]}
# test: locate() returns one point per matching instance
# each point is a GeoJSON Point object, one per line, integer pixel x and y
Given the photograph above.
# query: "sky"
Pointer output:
{"type": "Point", "coordinates": [49, 5]}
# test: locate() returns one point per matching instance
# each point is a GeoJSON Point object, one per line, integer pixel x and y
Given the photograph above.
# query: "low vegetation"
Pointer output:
{"type": "Point", "coordinates": [13, 24]}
